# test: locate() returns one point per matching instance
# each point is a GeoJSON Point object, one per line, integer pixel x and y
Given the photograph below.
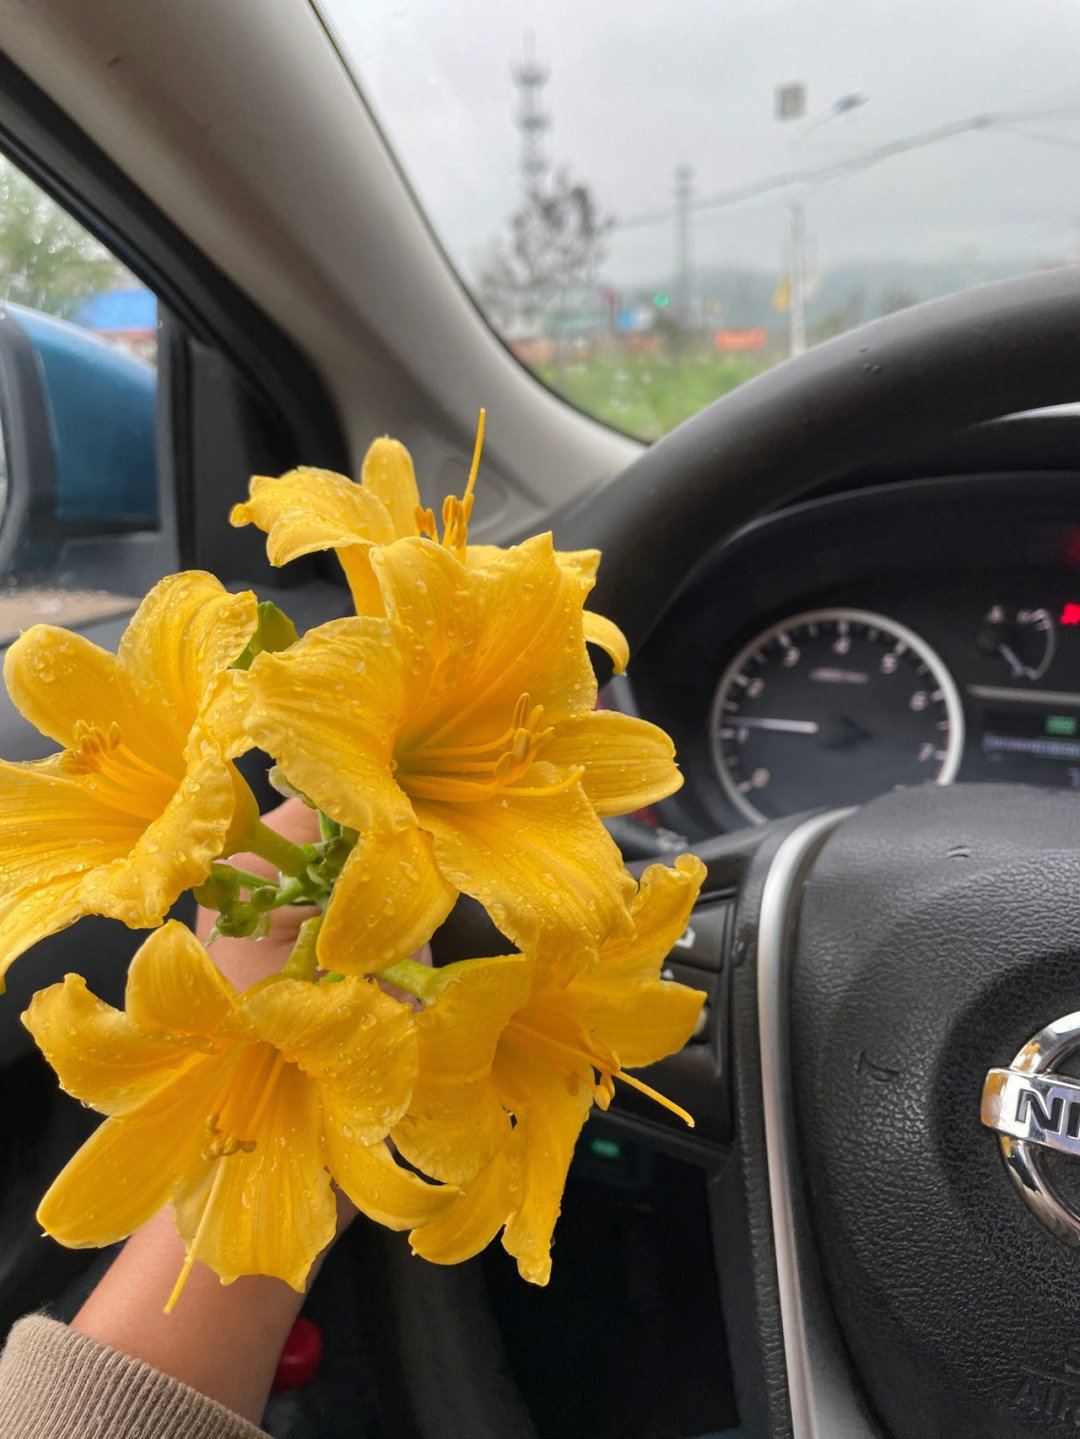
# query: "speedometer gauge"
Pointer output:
{"type": "Point", "coordinates": [831, 708]}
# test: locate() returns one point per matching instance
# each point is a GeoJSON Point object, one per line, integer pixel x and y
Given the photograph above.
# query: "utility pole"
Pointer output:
{"type": "Point", "coordinates": [797, 281]}
{"type": "Point", "coordinates": [789, 103]}
{"type": "Point", "coordinates": [684, 189]}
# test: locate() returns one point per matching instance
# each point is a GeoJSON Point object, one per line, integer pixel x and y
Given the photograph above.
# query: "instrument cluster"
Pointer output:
{"type": "Point", "coordinates": [864, 643]}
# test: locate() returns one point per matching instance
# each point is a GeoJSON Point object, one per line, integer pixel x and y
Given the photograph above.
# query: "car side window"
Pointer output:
{"type": "Point", "coordinates": [79, 487]}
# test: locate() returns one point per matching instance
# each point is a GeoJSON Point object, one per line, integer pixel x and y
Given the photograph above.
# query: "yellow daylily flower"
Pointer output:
{"type": "Point", "coordinates": [512, 1037]}
{"type": "Point", "coordinates": [143, 796]}
{"type": "Point", "coordinates": [464, 718]}
{"type": "Point", "coordinates": [238, 1109]}
{"type": "Point", "coordinates": [307, 510]}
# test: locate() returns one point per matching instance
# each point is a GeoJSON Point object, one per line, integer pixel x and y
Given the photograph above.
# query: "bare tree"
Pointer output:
{"type": "Point", "coordinates": [547, 266]}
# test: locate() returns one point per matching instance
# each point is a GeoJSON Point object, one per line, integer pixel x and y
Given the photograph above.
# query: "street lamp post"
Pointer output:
{"type": "Point", "coordinates": [790, 104]}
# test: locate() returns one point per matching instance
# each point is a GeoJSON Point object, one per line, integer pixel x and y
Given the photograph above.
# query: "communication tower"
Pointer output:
{"type": "Point", "coordinates": [530, 77]}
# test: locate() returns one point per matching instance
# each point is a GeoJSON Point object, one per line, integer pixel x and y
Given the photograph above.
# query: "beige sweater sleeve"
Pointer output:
{"type": "Point", "coordinates": [59, 1384]}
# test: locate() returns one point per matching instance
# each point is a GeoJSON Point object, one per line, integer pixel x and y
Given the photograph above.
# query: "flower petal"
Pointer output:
{"type": "Point", "coordinates": [308, 509]}
{"type": "Point", "coordinates": [129, 1167]}
{"type": "Point", "coordinates": [476, 1215]}
{"type": "Point", "coordinates": [56, 678]}
{"type": "Point", "coordinates": [328, 710]}
{"type": "Point", "coordinates": [363, 586]}
{"type": "Point", "coordinates": [172, 852]}
{"type": "Point", "coordinates": [661, 911]}
{"type": "Point", "coordinates": [478, 557]}
{"type": "Point", "coordinates": [455, 1124]}
{"type": "Point", "coordinates": [515, 629]}
{"type": "Point", "coordinates": [382, 1189]}
{"type": "Point", "coordinates": [551, 1119]}
{"type": "Point", "coordinates": [222, 716]}
{"type": "Point", "coordinates": [543, 866]}
{"type": "Point", "coordinates": [531, 638]}
{"type": "Point", "coordinates": [353, 1041]}
{"type": "Point", "coordinates": [270, 1211]}
{"type": "Point", "coordinates": [98, 1055]}
{"type": "Point", "coordinates": [174, 987]}
{"type": "Point", "coordinates": [583, 563]}
{"type": "Point", "coordinates": [641, 1025]}
{"type": "Point", "coordinates": [181, 639]}
{"type": "Point", "coordinates": [623, 1001]}
{"type": "Point", "coordinates": [53, 832]}
{"type": "Point", "coordinates": [602, 632]}
{"type": "Point", "coordinates": [388, 473]}
{"type": "Point", "coordinates": [628, 762]}
{"type": "Point", "coordinates": [430, 602]}
{"type": "Point", "coordinates": [388, 900]}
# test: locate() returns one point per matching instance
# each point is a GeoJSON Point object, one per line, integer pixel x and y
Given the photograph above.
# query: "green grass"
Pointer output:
{"type": "Point", "coordinates": [648, 395]}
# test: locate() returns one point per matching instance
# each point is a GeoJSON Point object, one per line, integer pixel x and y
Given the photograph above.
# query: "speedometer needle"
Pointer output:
{"type": "Point", "coordinates": [785, 725]}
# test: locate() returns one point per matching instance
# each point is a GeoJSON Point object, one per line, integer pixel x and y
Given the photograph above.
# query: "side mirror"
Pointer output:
{"type": "Point", "coordinates": [27, 453]}
{"type": "Point", "coordinates": [78, 432]}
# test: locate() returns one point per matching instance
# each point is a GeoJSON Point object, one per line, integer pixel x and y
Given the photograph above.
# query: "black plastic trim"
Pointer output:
{"type": "Point", "coordinates": [63, 161]}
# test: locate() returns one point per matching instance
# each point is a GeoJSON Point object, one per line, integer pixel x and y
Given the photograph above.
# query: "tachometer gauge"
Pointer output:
{"type": "Point", "coordinates": [831, 708]}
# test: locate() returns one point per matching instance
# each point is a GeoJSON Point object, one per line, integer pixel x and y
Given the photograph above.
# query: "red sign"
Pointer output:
{"type": "Point", "coordinates": [741, 339]}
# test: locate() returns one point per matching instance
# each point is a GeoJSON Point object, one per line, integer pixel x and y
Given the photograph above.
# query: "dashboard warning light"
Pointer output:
{"type": "Point", "coordinates": [1070, 615]}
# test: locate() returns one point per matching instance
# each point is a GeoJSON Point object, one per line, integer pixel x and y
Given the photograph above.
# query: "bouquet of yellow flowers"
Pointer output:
{"type": "Point", "coordinates": [447, 742]}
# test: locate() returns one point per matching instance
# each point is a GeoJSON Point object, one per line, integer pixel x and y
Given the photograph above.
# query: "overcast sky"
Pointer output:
{"type": "Point", "coordinates": [639, 87]}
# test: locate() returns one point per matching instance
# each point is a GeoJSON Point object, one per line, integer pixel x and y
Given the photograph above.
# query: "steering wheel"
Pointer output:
{"type": "Point", "coordinates": [879, 1273]}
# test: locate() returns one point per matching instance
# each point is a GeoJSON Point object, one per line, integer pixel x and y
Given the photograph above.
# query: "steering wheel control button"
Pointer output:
{"type": "Point", "coordinates": [833, 707]}
{"type": "Point", "coordinates": [1033, 1110]}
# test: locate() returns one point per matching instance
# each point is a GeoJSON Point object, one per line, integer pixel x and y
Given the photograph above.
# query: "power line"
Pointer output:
{"type": "Point", "coordinates": [834, 169]}
{"type": "Point", "coordinates": [1043, 138]}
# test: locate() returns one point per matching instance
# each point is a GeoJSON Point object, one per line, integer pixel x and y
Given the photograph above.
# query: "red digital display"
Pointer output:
{"type": "Point", "coordinates": [1070, 615]}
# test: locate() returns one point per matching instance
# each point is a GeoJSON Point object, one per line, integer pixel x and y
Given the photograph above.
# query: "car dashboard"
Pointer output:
{"type": "Point", "coordinates": [923, 630]}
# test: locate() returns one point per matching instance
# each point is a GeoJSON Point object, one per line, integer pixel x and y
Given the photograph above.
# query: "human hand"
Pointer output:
{"type": "Point", "coordinates": [221, 1340]}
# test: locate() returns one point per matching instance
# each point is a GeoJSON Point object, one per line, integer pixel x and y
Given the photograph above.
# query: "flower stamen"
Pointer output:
{"type": "Point", "coordinates": [455, 513]}
{"type": "Point", "coordinates": [243, 1105]}
{"type": "Point", "coordinates": [472, 772]}
{"type": "Point", "coordinates": [580, 1063]}
{"type": "Point", "coordinates": [232, 1127]}
{"type": "Point", "coordinates": [193, 1251]}
{"type": "Point", "coordinates": [117, 776]}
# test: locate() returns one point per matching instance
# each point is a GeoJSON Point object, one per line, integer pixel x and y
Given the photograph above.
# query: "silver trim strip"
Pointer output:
{"type": "Point", "coordinates": [1068, 698]}
{"type": "Point", "coordinates": [823, 1403]}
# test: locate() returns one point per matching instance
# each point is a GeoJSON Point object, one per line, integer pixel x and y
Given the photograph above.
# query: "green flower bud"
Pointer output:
{"type": "Point", "coordinates": [218, 889]}
{"type": "Point", "coordinates": [275, 632]}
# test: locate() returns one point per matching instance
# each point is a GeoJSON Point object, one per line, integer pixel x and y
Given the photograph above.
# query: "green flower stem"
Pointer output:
{"type": "Point", "coordinates": [328, 828]}
{"type": "Point", "coordinates": [244, 879]}
{"type": "Point", "coordinates": [418, 979]}
{"type": "Point", "coordinates": [285, 856]}
{"type": "Point", "coordinates": [302, 963]}
{"type": "Point", "coordinates": [302, 889]}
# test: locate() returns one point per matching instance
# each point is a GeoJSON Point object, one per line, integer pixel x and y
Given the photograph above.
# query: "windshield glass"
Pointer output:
{"type": "Point", "coordinates": [653, 203]}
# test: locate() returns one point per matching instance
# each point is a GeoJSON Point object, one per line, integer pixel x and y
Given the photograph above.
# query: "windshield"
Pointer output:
{"type": "Point", "coordinates": [652, 203]}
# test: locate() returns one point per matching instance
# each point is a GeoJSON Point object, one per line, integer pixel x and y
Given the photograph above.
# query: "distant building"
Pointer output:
{"type": "Point", "coordinates": [126, 317]}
